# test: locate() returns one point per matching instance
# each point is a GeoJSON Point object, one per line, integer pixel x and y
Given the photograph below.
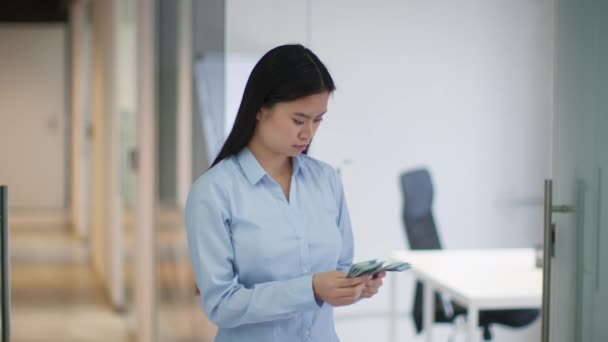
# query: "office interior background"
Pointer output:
{"type": "Point", "coordinates": [110, 108]}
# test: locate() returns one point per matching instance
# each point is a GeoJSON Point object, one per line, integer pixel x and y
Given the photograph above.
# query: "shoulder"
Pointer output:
{"type": "Point", "coordinates": [323, 175]}
{"type": "Point", "coordinates": [213, 183]}
{"type": "Point", "coordinates": [320, 173]}
{"type": "Point", "coordinates": [316, 167]}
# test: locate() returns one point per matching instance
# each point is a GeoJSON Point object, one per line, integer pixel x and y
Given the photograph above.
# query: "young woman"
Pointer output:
{"type": "Point", "coordinates": [269, 232]}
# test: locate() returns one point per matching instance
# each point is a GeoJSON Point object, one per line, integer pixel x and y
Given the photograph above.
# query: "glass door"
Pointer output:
{"type": "Point", "coordinates": [573, 202]}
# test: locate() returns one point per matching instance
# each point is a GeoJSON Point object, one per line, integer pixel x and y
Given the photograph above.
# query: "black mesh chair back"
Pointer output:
{"type": "Point", "coordinates": [420, 226]}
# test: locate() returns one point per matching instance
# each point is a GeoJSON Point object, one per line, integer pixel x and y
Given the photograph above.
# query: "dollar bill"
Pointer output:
{"type": "Point", "coordinates": [371, 267]}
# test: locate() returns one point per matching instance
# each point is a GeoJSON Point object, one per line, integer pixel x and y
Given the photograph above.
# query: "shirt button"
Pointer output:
{"type": "Point", "coordinates": [307, 332]}
{"type": "Point", "coordinates": [305, 269]}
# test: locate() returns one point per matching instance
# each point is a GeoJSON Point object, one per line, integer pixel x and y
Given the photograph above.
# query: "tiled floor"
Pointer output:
{"type": "Point", "coordinates": [57, 297]}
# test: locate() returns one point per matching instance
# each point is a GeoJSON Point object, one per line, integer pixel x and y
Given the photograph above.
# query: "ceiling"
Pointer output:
{"type": "Point", "coordinates": [33, 11]}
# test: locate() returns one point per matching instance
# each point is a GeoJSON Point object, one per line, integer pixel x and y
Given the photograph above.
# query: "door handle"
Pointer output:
{"type": "Point", "coordinates": [598, 231]}
{"type": "Point", "coordinates": [549, 248]}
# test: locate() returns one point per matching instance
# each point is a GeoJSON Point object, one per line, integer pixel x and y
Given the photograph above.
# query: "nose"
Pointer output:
{"type": "Point", "coordinates": [307, 131]}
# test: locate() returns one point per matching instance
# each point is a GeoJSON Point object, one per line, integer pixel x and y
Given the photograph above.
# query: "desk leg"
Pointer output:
{"type": "Point", "coordinates": [392, 320]}
{"type": "Point", "coordinates": [428, 311]}
{"type": "Point", "coordinates": [473, 321]}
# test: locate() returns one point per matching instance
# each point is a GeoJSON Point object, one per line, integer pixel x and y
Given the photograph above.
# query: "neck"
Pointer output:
{"type": "Point", "coordinates": [274, 164]}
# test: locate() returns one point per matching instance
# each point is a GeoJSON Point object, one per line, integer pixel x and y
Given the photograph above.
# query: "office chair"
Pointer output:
{"type": "Point", "coordinates": [421, 233]}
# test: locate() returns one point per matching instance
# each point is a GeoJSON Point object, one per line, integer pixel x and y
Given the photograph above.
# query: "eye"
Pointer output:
{"type": "Point", "coordinates": [318, 120]}
{"type": "Point", "coordinates": [298, 122]}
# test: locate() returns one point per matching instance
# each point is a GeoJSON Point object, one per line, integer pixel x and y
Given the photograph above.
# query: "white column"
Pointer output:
{"type": "Point", "coordinates": [80, 98]}
{"type": "Point", "coordinates": [184, 101]}
{"type": "Point", "coordinates": [145, 252]}
{"type": "Point", "coordinates": [115, 244]}
{"type": "Point", "coordinates": [106, 227]}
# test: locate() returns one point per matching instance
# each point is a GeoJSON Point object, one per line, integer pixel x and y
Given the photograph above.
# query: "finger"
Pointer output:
{"type": "Point", "coordinates": [364, 279]}
{"type": "Point", "coordinates": [339, 274]}
{"type": "Point", "coordinates": [374, 283]}
{"type": "Point", "coordinates": [374, 288]}
{"type": "Point", "coordinates": [351, 293]}
{"type": "Point", "coordinates": [370, 292]}
{"type": "Point", "coordinates": [360, 287]}
{"type": "Point", "coordinates": [350, 282]}
{"type": "Point", "coordinates": [367, 277]}
{"type": "Point", "coordinates": [380, 275]}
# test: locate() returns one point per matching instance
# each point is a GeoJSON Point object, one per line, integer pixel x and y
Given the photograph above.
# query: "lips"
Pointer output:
{"type": "Point", "coordinates": [301, 147]}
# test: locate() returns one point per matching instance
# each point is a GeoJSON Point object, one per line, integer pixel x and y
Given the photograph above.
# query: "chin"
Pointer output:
{"type": "Point", "coordinates": [294, 152]}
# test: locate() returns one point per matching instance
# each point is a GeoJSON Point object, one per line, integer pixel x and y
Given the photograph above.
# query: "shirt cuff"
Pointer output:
{"type": "Point", "coordinates": [302, 288]}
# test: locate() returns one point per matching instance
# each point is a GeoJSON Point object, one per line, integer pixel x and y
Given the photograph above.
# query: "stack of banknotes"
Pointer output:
{"type": "Point", "coordinates": [374, 266]}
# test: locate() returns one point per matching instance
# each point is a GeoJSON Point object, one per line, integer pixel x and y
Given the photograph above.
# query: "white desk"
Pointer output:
{"type": "Point", "coordinates": [476, 278]}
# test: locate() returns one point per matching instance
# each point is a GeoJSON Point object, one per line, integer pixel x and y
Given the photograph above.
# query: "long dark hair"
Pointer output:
{"type": "Point", "coordinates": [285, 73]}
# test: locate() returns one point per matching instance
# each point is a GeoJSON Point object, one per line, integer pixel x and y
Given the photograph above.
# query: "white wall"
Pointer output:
{"type": "Point", "coordinates": [463, 88]}
{"type": "Point", "coordinates": [254, 27]}
{"type": "Point", "coordinates": [248, 37]}
{"type": "Point", "coordinates": [33, 115]}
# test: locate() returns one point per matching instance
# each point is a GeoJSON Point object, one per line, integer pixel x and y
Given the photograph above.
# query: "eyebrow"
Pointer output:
{"type": "Point", "coordinates": [308, 116]}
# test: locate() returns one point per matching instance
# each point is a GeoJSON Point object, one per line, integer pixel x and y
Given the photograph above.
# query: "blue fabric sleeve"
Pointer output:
{"type": "Point", "coordinates": [344, 224]}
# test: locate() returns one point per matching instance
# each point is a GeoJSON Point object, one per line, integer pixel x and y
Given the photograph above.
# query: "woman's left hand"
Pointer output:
{"type": "Point", "coordinates": [372, 285]}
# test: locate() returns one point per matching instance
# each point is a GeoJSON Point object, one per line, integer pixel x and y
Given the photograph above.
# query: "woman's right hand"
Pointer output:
{"type": "Point", "coordinates": [334, 288]}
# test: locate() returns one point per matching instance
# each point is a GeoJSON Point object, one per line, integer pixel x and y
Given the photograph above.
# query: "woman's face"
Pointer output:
{"type": "Point", "coordinates": [288, 127]}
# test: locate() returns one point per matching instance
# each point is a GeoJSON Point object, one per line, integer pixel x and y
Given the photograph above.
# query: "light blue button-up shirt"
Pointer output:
{"type": "Point", "coordinates": [254, 253]}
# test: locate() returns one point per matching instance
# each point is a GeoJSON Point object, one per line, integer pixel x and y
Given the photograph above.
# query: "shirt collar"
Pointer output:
{"type": "Point", "coordinates": [296, 164]}
{"type": "Point", "coordinates": [252, 168]}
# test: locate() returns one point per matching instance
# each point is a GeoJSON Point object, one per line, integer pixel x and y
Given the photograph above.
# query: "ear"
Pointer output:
{"type": "Point", "coordinates": [261, 114]}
